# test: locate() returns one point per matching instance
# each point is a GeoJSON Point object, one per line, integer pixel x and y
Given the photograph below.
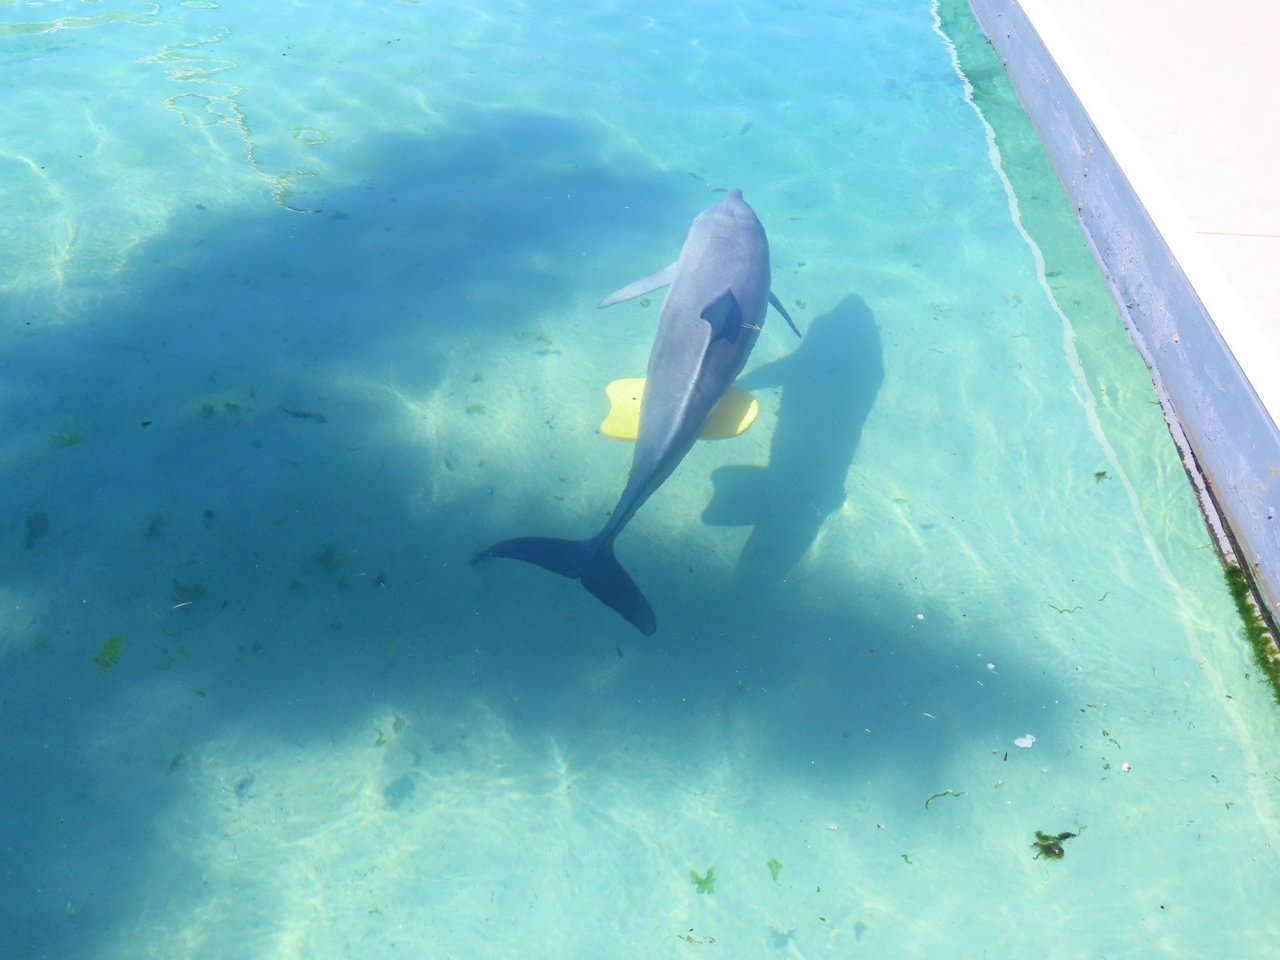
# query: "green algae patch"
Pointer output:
{"type": "Point", "coordinates": [63, 440]}
{"type": "Point", "coordinates": [186, 593]}
{"type": "Point", "coordinates": [110, 653]}
{"type": "Point", "coordinates": [1255, 629]}
{"type": "Point", "coordinates": [705, 884]}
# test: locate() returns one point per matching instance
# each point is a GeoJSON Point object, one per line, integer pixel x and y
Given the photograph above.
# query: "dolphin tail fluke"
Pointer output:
{"type": "Point", "coordinates": [594, 564]}
{"type": "Point", "coordinates": [565, 557]}
{"type": "Point", "coordinates": [613, 586]}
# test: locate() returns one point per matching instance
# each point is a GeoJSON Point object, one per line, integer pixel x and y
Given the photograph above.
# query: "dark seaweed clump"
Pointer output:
{"type": "Point", "coordinates": [1049, 845]}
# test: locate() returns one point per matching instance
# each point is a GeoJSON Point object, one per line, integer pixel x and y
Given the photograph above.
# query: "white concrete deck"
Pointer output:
{"type": "Point", "coordinates": [1187, 97]}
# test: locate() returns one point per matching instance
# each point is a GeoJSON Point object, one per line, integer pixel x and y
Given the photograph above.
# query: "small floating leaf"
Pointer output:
{"type": "Point", "coordinates": [774, 866]}
{"type": "Point", "coordinates": [110, 653]}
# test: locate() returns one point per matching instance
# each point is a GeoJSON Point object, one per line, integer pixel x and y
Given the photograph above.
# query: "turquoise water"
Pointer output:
{"type": "Point", "coordinates": [298, 314]}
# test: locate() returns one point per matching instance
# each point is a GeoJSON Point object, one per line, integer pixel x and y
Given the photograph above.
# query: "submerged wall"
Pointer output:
{"type": "Point", "coordinates": [1229, 441]}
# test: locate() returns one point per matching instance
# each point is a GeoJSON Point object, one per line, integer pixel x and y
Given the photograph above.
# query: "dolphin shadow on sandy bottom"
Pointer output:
{"type": "Point", "coordinates": [829, 385]}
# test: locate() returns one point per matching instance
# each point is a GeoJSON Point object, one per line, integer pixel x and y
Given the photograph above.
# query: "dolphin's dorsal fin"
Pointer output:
{"type": "Point", "coordinates": [655, 281]}
{"type": "Point", "coordinates": [777, 305]}
{"type": "Point", "coordinates": [725, 316]}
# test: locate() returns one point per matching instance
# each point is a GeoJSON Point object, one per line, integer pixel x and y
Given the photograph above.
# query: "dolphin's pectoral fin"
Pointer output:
{"type": "Point", "coordinates": [725, 316]}
{"type": "Point", "coordinates": [654, 281]}
{"type": "Point", "coordinates": [777, 305]}
{"type": "Point", "coordinates": [730, 417]}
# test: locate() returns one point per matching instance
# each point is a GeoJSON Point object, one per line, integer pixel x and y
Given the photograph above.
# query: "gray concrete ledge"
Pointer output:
{"type": "Point", "coordinates": [1226, 433]}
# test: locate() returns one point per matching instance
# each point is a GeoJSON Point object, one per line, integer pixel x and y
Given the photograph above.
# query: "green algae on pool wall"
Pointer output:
{"type": "Point", "coordinates": [1255, 629]}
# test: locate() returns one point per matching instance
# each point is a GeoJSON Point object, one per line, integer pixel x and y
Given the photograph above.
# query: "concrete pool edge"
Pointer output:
{"type": "Point", "coordinates": [1229, 442]}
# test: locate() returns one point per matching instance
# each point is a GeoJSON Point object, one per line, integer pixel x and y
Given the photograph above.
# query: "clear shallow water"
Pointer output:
{"type": "Point", "coordinates": [328, 735]}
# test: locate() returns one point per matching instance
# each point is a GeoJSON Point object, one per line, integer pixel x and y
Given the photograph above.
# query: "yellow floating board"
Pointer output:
{"type": "Point", "coordinates": [736, 411]}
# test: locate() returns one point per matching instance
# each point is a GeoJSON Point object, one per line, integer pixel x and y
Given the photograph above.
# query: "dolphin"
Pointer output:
{"type": "Point", "coordinates": [710, 320]}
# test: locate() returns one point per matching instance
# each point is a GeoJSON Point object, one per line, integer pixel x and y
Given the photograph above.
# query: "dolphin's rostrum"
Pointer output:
{"type": "Point", "coordinates": [710, 320]}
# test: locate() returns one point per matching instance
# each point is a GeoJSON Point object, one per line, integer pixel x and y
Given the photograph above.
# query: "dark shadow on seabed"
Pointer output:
{"type": "Point", "coordinates": [828, 385]}
{"type": "Point", "coordinates": [303, 641]}
{"type": "Point", "coordinates": [187, 476]}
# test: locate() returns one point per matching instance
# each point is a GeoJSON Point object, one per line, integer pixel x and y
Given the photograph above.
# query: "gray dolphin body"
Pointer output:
{"type": "Point", "coordinates": [710, 320]}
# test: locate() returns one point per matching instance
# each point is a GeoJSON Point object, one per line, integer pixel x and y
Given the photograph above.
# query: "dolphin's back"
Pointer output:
{"type": "Point", "coordinates": [710, 320]}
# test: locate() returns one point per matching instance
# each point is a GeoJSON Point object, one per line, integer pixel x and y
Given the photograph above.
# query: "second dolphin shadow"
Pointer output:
{"type": "Point", "coordinates": [828, 385]}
